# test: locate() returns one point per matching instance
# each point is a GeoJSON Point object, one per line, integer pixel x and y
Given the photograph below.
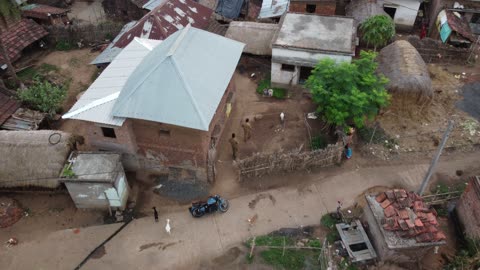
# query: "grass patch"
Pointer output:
{"type": "Point", "coordinates": [249, 259]}
{"type": "Point", "coordinates": [27, 74]}
{"type": "Point", "coordinates": [63, 45]}
{"type": "Point", "coordinates": [318, 142]}
{"type": "Point", "coordinates": [328, 221]}
{"type": "Point", "coordinates": [292, 259]}
{"type": "Point", "coordinates": [314, 243]}
{"type": "Point", "coordinates": [46, 68]}
{"type": "Point", "coordinates": [333, 236]}
{"type": "Point", "coordinates": [274, 241]}
{"type": "Point", "coordinates": [279, 93]}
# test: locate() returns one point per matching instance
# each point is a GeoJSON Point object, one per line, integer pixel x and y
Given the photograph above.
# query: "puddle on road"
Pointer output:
{"type": "Point", "coordinates": [260, 197]}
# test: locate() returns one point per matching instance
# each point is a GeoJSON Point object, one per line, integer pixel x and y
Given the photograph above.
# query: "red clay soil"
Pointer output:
{"type": "Point", "coordinates": [10, 212]}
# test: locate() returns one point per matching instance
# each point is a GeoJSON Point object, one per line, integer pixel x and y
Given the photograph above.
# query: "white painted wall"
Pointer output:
{"type": "Point", "coordinates": [280, 76]}
{"type": "Point", "coordinates": [406, 14]}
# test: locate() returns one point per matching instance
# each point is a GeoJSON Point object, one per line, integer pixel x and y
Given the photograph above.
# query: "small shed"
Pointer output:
{"type": "Point", "coordinates": [356, 242]}
{"type": "Point", "coordinates": [96, 180]}
{"type": "Point", "coordinates": [305, 39]}
{"type": "Point", "coordinates": [33, 158]}
{"type": "Point", "coordinates": [401, 226]}
{"type": "Point", "coordinates": [410, 81]}
{"type": "Point", "coordinates": [46, 15]}
{"type": "Point", "coordinates": [257, 36]}
{"type": "Point", "coordinates": [468, 209]}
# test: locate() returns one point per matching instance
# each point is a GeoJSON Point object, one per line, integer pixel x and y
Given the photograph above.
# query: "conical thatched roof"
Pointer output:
{"type": "Point", "coordinates": [33, 158]}
{"type": "Point", "coordinates": [409, 78]}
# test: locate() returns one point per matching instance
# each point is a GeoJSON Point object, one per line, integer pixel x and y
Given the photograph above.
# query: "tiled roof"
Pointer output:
{"type": "Point", "coordinates": [406, 214]}
{"type": "Point", "coordinates": [42, 11]}
{"type": "Point", "coordinates": [19, 36]}
{"type": "Point", "coordinates": [7, 107]}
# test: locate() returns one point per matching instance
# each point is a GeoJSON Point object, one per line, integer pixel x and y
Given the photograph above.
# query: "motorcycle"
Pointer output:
{"type": "Point", "coordinates": [213, 204]}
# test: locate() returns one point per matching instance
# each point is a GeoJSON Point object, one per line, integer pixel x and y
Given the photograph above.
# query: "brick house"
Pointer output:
{"type": "Point", "coordinates": [468, 209]}
{"type": "Point", "coordinates": [163, 103]}
{"type": "Point", "coordinates": [319, 7]}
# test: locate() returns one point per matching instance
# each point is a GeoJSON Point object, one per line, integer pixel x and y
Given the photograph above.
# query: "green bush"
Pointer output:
{"type": "Point", "coordinates": [318, 142]}
{"type": "Point", "coordinates": [328, 221]}
{"type": "Point", "coordinates": [315, 243]}
{"type": "Point", "coordinates": [63, 45]}
{"type": "Point", "coordinates": [279, 93]}
{"type": "Point", "coordinates": [43, 96]}
{"type": "Point", "coordinates": [333, 236]}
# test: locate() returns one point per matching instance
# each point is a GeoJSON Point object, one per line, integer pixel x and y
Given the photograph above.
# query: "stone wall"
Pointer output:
{"type": "Point", "coordinates": [86, 33]}
{"type": "Point", "coordinates": [264, 164]}
{"type": "Point", "coordinates": [468, 210]}
{"type": "Point", "coordinates": [322, 8]}
{"type": "Point", "coordinates": [434, 51]}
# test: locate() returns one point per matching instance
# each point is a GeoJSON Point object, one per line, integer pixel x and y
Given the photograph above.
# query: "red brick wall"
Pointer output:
{"type": "Point", "coordinates": [155, 150]}
{"type": "Point", "coordinates": [322, 8]}
{"type": "Point", "coordinates": [468, 210]}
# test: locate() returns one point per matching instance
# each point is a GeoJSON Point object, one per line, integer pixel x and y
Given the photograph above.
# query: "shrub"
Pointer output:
{"type": "Point", "coordinates": [279, 93]}
{"type": "Point", "coordinates": [43, 96]}
{"type": "Point", "coordinates": [318, 142]}
{"type": "Point", "coordinates": [328, 221]}
{"type": "Point", "coordinates": [63, 45]}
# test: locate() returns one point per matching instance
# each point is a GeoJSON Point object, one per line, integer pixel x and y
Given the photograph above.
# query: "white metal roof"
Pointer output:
{"type": "Point", "coordinates": [273, 8]}
{"type": "Point", "coordinates": [96, 104]}
{"type": "Point", "coordinates": [152, 4]}
{"type": "Point", "coordinates": [182, 80]}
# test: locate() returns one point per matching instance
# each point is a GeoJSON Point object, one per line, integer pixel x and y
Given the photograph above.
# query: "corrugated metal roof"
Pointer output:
{"type": "Point", "coordinates": [96, 104]}
{"type": "Point", "coordinates": [42, 11]}
{"type": "Point", "coordinates": [273, 8]}
{"type": "Point", "coordinates": [153, 4]}
{"type": "Point", "coordinates": [182, 80]}
{"type": "Point", "coordinates": [111, 52]}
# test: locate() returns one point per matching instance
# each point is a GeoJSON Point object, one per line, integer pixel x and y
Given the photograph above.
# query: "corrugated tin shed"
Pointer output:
{"type": "Point", "coordinates": [356, 241]}
{"type": "Point", "coordinates": [182, 81]}
{"type": "Point", "coordinates": [42, 11]}
{"type": "Point", "coordinates": [161, 22]}
{"type": "Point", "coordinates": [8, 106]}
{"type": "Point", "coordinates": [111, 51]}
{"type": "Point", "coordinates": [273, 8]}
{"type": "Point", "coordinates": [257, 36]}
{"type": "Point", "coordinates": [24, 119]}
{"type": "Point", "coordinates": [229, 8]}
{"type": "Point", "coordinates": [96, 104]}
{"type": "Point", "coordinates": [20, 36]}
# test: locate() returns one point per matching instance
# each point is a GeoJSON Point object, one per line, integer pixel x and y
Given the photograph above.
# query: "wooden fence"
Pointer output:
{"type": "Point", "coordinates": [264, 164]}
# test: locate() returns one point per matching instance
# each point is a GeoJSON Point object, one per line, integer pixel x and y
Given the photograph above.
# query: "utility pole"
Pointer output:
{"type": "Point", "coordinates": [435, 159]}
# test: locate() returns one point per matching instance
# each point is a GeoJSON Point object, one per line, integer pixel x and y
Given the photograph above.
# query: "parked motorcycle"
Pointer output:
{"type": "Point", "coordinates": [213, 204]}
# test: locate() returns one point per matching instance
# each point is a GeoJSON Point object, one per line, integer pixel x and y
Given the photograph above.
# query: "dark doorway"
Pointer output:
{"type": "Point", "coordinates": [311, 8]}
{"type": "Point", "coordinates": [390, 11]}
{"type": "Point", "coordinates": [304, 74]}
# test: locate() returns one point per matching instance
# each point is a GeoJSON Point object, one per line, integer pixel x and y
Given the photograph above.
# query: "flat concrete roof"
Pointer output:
{"type": "Point", "coordinates": [96, 166]}
{"type": "Point", "coordinates": [314, 32]}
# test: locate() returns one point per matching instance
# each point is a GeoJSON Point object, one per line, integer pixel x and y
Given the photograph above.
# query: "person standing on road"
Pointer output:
{"type": "Point", "coordinates": [234, 144]}
{"type": "Point", "coordinates": [247, 130]}
{"type": "Point", "coordinates": [155, 213]}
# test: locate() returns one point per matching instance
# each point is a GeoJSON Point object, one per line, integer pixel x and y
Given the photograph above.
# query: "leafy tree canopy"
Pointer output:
{"type": "Point", "coordinates": [348, 92]}
{"type": "Point", "coordinates": [378, 30]}
{"type": "Point", "coordinates": [43, 96]}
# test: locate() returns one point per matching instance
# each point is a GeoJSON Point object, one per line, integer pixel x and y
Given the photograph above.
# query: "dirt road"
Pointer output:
{"type": "Point", "coordinates": [193, 243]}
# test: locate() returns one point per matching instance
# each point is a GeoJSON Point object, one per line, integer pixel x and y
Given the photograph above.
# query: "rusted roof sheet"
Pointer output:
{"type": "Point", "coordinates": [460, 25]}
{"type": "Point", "coordinates": [166, 19]}
{"type": "Point", "coordinates": [8, 106]}
{"type": "Point", "coordinates": [19, 36]}
{"type": "Point", "coordinates": [24, 119]}
{"type": "Point", "coordinates": [42, 11]}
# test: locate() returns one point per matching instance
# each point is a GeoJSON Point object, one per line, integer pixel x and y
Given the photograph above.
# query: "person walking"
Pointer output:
{"type": "Point", "coordinates": [234, 144]}
{"type": "Point", "coordinates": [247, 130]}
{"type": "Point", "coordinates": [155, 213]}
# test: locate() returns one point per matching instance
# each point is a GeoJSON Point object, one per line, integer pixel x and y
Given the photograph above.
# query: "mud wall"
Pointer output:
{"type": "Point", "coordinates": [88, 33]}
{"type": "Point", "coordinates": [468, 211]}
{"type": "Point", "coordinates": [434, 51]}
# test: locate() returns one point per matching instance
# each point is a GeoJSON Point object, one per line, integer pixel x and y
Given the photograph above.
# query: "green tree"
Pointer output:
{"type": "Point", "coordinates": [348, 92]}
{"type": "Point", "coordinates": [378, 30]}
{"type": "Point", "coordinates": [43, 96]}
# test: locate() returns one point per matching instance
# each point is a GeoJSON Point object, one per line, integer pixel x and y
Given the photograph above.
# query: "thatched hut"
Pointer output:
{"type": "Point", "coordinates": [410, 81]}
{"type": "Point", "coordinates": [33, 158]}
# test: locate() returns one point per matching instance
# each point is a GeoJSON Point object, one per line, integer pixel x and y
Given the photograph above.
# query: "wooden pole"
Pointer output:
{"type": "Point", "coordinates": [435, 159]}
{"type": "Point", "coordinates": [253, 246]}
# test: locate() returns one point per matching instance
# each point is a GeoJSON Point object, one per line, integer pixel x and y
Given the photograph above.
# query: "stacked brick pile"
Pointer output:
{"type": "Point", "coordinates": [408, 216]}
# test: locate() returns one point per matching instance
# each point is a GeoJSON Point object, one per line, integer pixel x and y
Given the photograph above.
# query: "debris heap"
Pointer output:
{"type": "Point", "coordinates": [408, 216]}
